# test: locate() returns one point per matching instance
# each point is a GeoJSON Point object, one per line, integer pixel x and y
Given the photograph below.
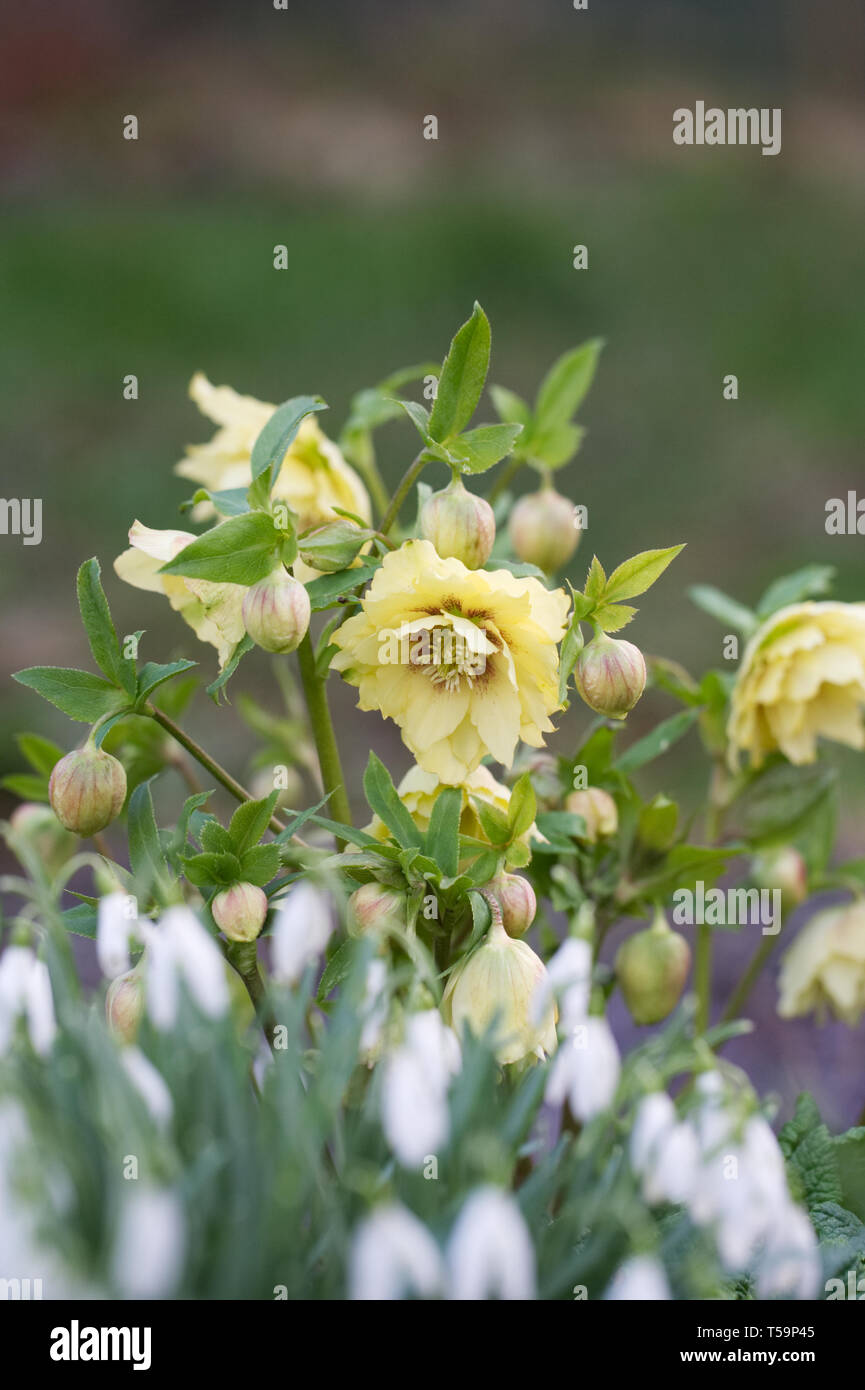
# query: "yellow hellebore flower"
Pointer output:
{"type": "Point", "coordinates": [418, 791]}
{"type": "Point", "coordinates": [802, 676]}
{"type": "Point", "coordinates": [213, 611]}
{"type": "Point", "coordinates": [313, 479]}
{"type": "Point", "coordinates": [464, 661]}
{"type": "Point", "coordinates": [497, 984]}
{"type": "Point", "coordinates": [825, 966]}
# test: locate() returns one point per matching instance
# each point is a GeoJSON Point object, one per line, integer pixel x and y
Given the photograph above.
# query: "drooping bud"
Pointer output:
{"type": "Point", "coordinates": [87, 790]}
{"type": "Point", "coordinates": [36, 825]}
{"type": "Point", "coordinates": [651, 968]}
{"type": "Point", "coordinates": [495, 985]}
{"type": "Point", "coordinates": [124, 1004]}
{"type": "Point", "coordinates": [376, 908]}
{"type": "Point", "coordinates": [459, 524]}
{"type": "Point", "coordinates": [598, 810]}
{"type": "Point", "coordinates": [544, 529]}
{"type": "Point", "coordinates": [516, 898]}
{"type": "Point", "coordinates": [240, 910]}
{"type": "Point", "coordinates": [276, 612]}
{"type": "Point", "coordinates": [784, 869]}
{"type": "Point", "coordinates": [610, 675]}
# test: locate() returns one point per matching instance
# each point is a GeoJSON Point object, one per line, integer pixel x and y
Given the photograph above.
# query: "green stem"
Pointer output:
{"type": "Point", "coordinates": [505, 478]}
{"type": "Point", "coordinates": [332, 779]}
{"type": "Point", "coordinates": [369, 469]}
{"type": "Point", "coordinates": [412, 472]}
{"type": "Point", "coordinates": [242, 956]}
{"type": "Point", "coordinates": [740, 994]}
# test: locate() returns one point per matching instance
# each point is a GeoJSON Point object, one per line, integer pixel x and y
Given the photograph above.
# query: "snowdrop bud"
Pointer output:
{"type": "Point", "coordinates": [25, 992]}
{"type": "Point", "coordinates": [239, 911]}
{"type": "Point", "coordinates": [460, 525]}
{"type": "Point", "coordinates": [569, 980]}
{"type": "Point", "coordinates": [516, 898]}
{"type": "Point", "coordinates": [40, 1008]}
{"type": "Point", "coordinates": [494, 986]}
{"type": "Point", "coordinates": [301, 930]}
{"type": "Point", "coordinates": [181, 950]}
{"type": "Point", "coordinates": [490, 1252]}
{"type": "Point", "coordinates": [124, 1005]}
{"type": "Point", "coordinates": [610, 675]}
{"type": "Point", "coordinates": [392, 1256]}
{"type": "Point", "coordinates": [543, 529]}
{"type": "Point", "coordinates": [784, 869]}
{"type": "Point", "coordinates": [416, 1076]}
{"type": "Point", "coordinates": [651, 968]}
{"type": "Point", "coordinates": [585, 1071]}
{"type": "Point", "coordinates": [640, 1279]}
{"type": "Point", "coordinates": [36, 825]}
{"type": "Point", "coordinates": [664, 1151]}
{"type": "Point", "coordinates": [598, 810]}
{"type": "Point", "coordinates": [150, 1242]}
{"type": "Point", "coordinates": [149, 1083]}
{"type": "Point", "coordinates": [376, 908]}
{"type": "Point", "coordinates": [87, 790]}
{"type": "Point", "coordinates": [276, 612]}
{"type": "Point", "coordinates": [116, 920]}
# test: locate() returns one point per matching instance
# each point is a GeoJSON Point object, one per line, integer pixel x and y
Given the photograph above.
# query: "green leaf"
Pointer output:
{"type": "Point", "coordinates": [26, 785]}
{"type": "Point", "coordinates": [522, 806]}
{"type": "Point", "coordinates": [481, 448]}
{"type": "Point", "coordinates": [419, 416]}
{"type": "Point", "coordinates": [566, 384]}
{"type": "Point", "coordinates": [572, 644]}
{"type": "Point", "coordinates": [809, 582]}
{"type": "Point", "coordinates": [338, 967]}
{"type": "Point", "coordinates": [146, 858]}
{"type": "Point", "coordinates": [214, 838]}
{"type": "Point", "coordinates": [645, 750]}
{"type": "Point", "coordinates": [181, 830]}
{"type": "Point", "coordinates": [510, 407]}
{"type": "Point", "coordinates": [79, 694]}
{"type": "Point", "coordinates": [325, 591]}
{"type": "Point", "coordinates": [810, 1152]}
{"type": "Point", "coordinates": [612, 617]}
{"type": "Point", "coordinates": [96, 617]}
{"type": "Point", "coordinates": [780, 797]}
{"type": "Point", "coordinates": [279, 433]}
{"type": "Point", "coordinates": [656, 827]}
{"type": "Point", "coordinates": [334, 546]}
{"type": "Point", "coordinates": [250, 821]}
{"type": "Point", "coordinates": [260, 864]}
{"type": "Point", "coordinates": [551, 448]}
{"type": "Point", "coordinates": [245, 645]}
{"type": "Point", "coordinates": [232, 501]}
{"type": "Point", "coordinates": [520, 569]}
{"type": "Point", "coordinates": [152, 675]}
{"type": "Point", "coordinates": [725, 609]}
{"type": "Point", "coordinates": [81, 920]}
{"type": "Point", "coordinates": [596, 581]}
{"type": "Point", "coordinates": [442, 837]}
{"type": "Point", "coordinates": [638, 574]}
{"type": "Point", "coordinates": [462, 377]}
{"type": "Point", "coordinates": [241, 550]}
{"type": "Point", "coordinates": [850, 1157]}
{"type": "Point", "coordinates": [382, 797]}
{"type": "Point", "coordinates": [220, 869]}
{"type": "Point", "coordinates": [40, 752]}
{"type": "Point", "coordinates": [484, 867]}
{"type": "Point", "coordinates": [683, 867]}
{"type": "Point", "coordinates": [495, 823]}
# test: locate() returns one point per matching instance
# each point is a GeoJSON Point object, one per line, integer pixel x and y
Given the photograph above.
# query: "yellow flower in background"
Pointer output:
{"type": "Point", "coordinates": [418, 791]}
{"type": "Point", "coordinates": [802, 677]}
{"type": "Point", "coordinates": [464, 661]}
{"type": "Point", "coordinates": [213, 611]}
{"type": "Point", "coordinates": [825, 966]}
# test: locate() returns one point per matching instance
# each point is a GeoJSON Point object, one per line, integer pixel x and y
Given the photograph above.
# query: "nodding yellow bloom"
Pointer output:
{"type": "Point", "coordinates": [418, 791]}
{"type": "Point", "coordinates": [464, 661]}
{"type": "Point", "coordinates": [825, 966]}
{"type": "Point", "coordinates": [213, 611]}
{"type": "Point", "coordinates": [314, 477]}
{"type": "Point", "coordinates": [496, 986]}
{"type": "Point", "coordinates": [802, 677]}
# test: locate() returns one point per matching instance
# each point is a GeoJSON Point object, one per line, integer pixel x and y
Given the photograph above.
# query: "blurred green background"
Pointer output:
{"type": "Point", "coordinates": [304, 127]}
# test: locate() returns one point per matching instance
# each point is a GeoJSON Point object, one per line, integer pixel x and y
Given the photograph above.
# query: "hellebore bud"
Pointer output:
{"type": "Point", "coordinates": [651, 968]}
{"type": "Point", "coordinates": [496, 984]}
{"type": "Point", "coordinates": [516, 898]}
{"type": "Point", "coordinates": [459, 524]}
{"type": "Point", "coordinates": [124, 1004]}
{"type": "Point", "coordinates": [374, 907]}
{"type": "Point", "coordinates": [598, 810]}
{"type": "Point", "coordinates": [783, 869]}
{"type": "Point", "coordinates": [240, 910]}
{"type": "Point", "coordinates": [276, 612]}
{"type": "Point", "coordinates": [331, 547]}
{"type": "Point", "coordinates": [610, 675]}
{"type": "Point", "coordinates": [36, 825]}
{"type": "Point", "coordinates": [87, 789]}
{"type": "Point", "coordinates": [543, 529]}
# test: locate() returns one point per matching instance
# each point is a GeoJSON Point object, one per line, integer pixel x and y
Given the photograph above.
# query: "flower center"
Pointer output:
{"type": "Point", "coordinates": [447, 657]}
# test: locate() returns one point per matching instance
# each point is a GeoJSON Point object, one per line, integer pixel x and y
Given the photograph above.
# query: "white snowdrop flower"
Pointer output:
{"type": "Point", "coordinates": [150, 1243]}
{"type": "Point", "coordinates": [585, 1070]}
{"type": "Point", "coordinates": [392, 1256]}
{"type": "Point", "coordinates": [569, 980]}
{"type": "Point", "coordinates": [25, 992]}
{"type": "Point", "coordinates": [790, 1264]}
{"type": "Point", "coordinates": [149, 1083]}
{"type": "Point", "coordinates": [180, 948]}
{"type": "Point", "coordinates": [301, 930]}
{"type": "Point", "coordinates": [664, 1151]}
{"type": "Point", "coordinates": [374, 1009]}
{"type": "Point", "coordinates": [641, 1278]}
{"type": "Point", "coordinates": [490, 1252]}
{"type": "Point", "coordinates": [415, 1083]}
{"type": "Point", "coordinates": [116, 920]}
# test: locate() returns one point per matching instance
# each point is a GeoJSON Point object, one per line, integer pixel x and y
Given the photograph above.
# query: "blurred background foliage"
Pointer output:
{"type": "Point", "coordinates": [303, 127]}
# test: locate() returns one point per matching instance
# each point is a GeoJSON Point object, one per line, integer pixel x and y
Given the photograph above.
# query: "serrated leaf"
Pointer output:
{"type": "Point", "coordinates": [220, 869]}
{"type": "Point", "coordinates": [481, 448]}
{"type": "Point", "coordinates": [612, 617]}
{"type": "Point", "coordinates": [153, 674]}
{"type": "Point", "coordinates": [462, 378]}
{"type": "Point", "coordinates": [242, 550]}
{"type": "Point", "coordinates": [79, 694]}
{"type": "Point", "coordinates": [260, 864]}
{"type": "Point", "coordinates": [96, 617]}
{"type": "Point", "coordinates": [725, 609]}
{"type": "Point", "coordinates": [250, 821]}
{"type": "Point", "coordinates": [596, 580]}
{"type": "Point", "coordinates": [636, 575]}
{"type": "Point", "coordinates": [442, 836]}
{"type": "Point", "coordinates": [214, 838]}
{"type": "Point", "coordinates": [279, 433]}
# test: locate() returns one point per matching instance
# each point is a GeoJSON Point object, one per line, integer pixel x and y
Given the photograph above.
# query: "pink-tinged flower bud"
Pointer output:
{"type": "Point", "coordinates": [375, 908]}
{"type": "Point", "coordinates": [516, 898]}
{"type": "Point", "coordinates": [784, 869]}
{"type": "Point", "coordinates": [598, 810]}
{"type": "Point", "coordinates": [651, 968]}
{"type": "Point", "coordinates": [276, 612]}
{"type": "Point", "coordinates": [124, 1005]}
{"type": "Point", "coordinates": [460, 525]}
{"type": "Point", "coordinates": [610, 675]}
{"type": "Point", "coordinates": [239, 911]}
{"type": "Point", "coordinates": [87, 790]}
{"type": "Point", "coordinates": [544, 529]}
{"type": "Point", "coordinates": [36, 825]}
